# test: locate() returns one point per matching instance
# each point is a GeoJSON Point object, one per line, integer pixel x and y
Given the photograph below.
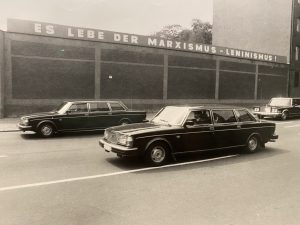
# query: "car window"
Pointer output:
{"type": "Point", "coordinates": [224, 116]}
{"type": "Point", "coordinates": [99, 107]}
{"type": "Point", "coordinates": [200, 117]}
{"type": "Point", "coordinates": [116, 106]}
{"type": "Point", "coordinates": [78, 107]}
{"type": "Point", "coordinates": [296, 101]}
{"type": "Point", "coordinates": [244, 116]}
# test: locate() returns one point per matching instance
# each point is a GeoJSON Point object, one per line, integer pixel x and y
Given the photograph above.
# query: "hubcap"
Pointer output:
{"type": "Point", "coordinates": [252, 144]}
{"type": "Point", "coordinates": [158, 154]}
{"type": "Point", "coordinates": [46, 130]}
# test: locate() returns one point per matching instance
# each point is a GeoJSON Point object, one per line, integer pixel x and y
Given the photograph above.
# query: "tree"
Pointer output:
{"type": "Point", "coordinates": [170, 32]}
{"type": "Point", "coordinates": [200, 32]}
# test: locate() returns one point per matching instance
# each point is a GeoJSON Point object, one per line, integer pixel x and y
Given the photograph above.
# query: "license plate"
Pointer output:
{"type": "Point", "coordinates": [107, 147]}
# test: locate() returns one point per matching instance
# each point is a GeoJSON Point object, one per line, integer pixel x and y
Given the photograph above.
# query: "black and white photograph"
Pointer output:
{"type": "Point", "coordinates": [158, 112]}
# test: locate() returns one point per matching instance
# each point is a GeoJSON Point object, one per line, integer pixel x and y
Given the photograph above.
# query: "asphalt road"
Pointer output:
{"type": "Point", "coordinates": [70, 180]}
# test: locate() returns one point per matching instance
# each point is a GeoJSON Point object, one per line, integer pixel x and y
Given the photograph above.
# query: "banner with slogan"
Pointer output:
{"type": "Point", "coordinates": [62, 31]}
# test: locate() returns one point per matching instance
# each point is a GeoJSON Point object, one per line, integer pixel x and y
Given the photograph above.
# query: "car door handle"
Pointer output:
{"type": "Point", "coordinates": [238, 126]}
{"type": "Point", "coordinates": [211, 128]}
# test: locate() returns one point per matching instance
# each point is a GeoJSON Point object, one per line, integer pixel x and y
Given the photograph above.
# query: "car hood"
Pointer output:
{"type": "Point", "coordinates": [40, 115]}
{"type": "Point", "coordinates": [140, 128]}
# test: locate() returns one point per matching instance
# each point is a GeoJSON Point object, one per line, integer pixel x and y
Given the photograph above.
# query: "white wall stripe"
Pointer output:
{"type": "Point", "coordinates": [3, 156]}
{"type": "Point", "coordinates": [107, 174]}
{"type": "Point", "coordinates": [298, 125]}
{"type": "Point", "coordinates": [278, 123]}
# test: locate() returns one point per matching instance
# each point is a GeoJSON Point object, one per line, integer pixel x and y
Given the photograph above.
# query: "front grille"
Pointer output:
{"type": "Point", "coordinates": [112, 137]}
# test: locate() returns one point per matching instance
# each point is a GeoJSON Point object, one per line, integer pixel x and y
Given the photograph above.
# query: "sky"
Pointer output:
{"type": "Point", "coordinates": [143, 17]}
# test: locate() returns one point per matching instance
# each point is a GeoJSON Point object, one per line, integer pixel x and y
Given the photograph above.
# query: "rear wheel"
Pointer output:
{"type": "Point", "coordinates": [124, 122]}
{"type": "Point", "coordinates": [284, 115]}
{"type": "Point", "coordinates": [253, 144]}
{"type": "Point", "coordinates": [157, 154]}
{"type": "Point", "coordinates": [46, 130]}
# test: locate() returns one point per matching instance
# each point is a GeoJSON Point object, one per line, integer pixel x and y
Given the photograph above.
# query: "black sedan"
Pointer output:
{"type": "Point", "coordinates": [282, 108]}
{"type": "Point", "coordinates": [184, 129]}
{"type": "Point", "coordinates": [80, 116]}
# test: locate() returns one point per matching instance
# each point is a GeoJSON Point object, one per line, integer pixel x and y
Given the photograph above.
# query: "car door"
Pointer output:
{"type": "Point", "coordinates": [295, 110]}
{"type": "Point", "coordinates": [226, 128]}
{"type": "Point", "coordinates": [76, 117]}
{"type": "Point", "coordinates": [118, 112]}
{"type": "Point", "coordinates": [100, 115]}
{"type": "Point", "coordinates": [198, 135]}
{"type": "Point", "coordinates": [248, 126]}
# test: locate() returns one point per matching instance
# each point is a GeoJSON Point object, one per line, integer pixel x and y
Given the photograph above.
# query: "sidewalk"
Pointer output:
{"type": "Point", "coordinates": [9, 124]}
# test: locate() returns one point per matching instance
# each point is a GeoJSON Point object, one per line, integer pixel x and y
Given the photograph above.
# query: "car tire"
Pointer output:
{"type": "Point", "coordinates": [46, 130]}
{"type": "Point", "coordinates": [253, 144]}
{"type": "Point", "coordinates": [284, 115]}
{"type": "Point", "coordinates": [157, 154]}
{"type": "Point", "coordinates": [124, 122]}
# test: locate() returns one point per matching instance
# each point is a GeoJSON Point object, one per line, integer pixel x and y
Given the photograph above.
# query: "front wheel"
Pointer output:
{"type": "Point", "coordinates": [253, 144]}
{"type": "Point", "coordinates": [157, 154]}
{"type": "Point", "coordinates": [45, 130]}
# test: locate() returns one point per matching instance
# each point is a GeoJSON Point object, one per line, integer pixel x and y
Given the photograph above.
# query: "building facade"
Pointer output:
{"type": "Point", "coordinates": [272, 26]}
{"type": "Point", "coordinates": [294, 89]}
{"type": "Point", "coordinates": [44, 64]}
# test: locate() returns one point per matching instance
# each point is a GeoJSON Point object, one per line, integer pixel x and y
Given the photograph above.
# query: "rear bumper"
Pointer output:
{"type": "Point", "coordinates": [118, 149]}
{"type": "Point", "coordinates": [274, 137]}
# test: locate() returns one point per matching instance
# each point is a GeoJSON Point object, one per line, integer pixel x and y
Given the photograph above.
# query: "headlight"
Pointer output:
{"type": "Point", "coordinates": [24, 121]}
{"type": "Point", "coordinates": [105, 134]}
{"type": "Point", "coordinates": [274, 110]}
{"type": "Point", "coordinates": [125, 140]}
{"type": "Point", "coordinates": [256, 109]}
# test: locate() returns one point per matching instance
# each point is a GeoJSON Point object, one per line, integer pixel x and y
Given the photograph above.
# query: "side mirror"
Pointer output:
{"type": "Point", "coordinates": [189, 123]}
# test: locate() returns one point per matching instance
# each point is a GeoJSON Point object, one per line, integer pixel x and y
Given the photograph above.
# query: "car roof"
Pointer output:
{"type": "Point", "coordinates": [287, 97]}
{"type": "Point", "coordinates": [194, 107]}
{"type": "Point", "coordinates": [94, 101]}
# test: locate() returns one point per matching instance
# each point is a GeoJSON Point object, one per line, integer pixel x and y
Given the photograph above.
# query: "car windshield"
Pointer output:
{"type": "Point", "coordinates": [171, 115]}
{"type": "Point", "coordinates": [62, 108]}
{"type": "Point", "coordinates": [280, 102]}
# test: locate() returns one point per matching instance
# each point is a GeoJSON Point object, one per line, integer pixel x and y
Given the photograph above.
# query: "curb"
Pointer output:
{"type": "Point", "coordinates": [9, 130]}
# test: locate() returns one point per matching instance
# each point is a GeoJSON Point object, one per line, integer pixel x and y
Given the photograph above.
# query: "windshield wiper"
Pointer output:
{"type": "Point", "coordinates": [165, 121]}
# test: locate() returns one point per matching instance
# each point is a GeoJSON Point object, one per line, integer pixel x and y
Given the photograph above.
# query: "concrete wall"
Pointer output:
{"type": "Point", "coordinates": [254, 25]}
{"type": "Point", "coordinates": [2, 93]}
{"type": "Point", "coordinates": [41, 72]}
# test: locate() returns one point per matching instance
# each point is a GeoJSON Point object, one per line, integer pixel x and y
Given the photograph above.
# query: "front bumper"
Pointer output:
{"type": "Point", "coordinates": [268, 114]}
{"type": "Point", "coordinates": [118, 149]}
{"type": "Point", "coordinates": [24, 128]}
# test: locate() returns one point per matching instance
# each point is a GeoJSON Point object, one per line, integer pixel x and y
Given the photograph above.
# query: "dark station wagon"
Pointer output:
{"type": "Point", "coordinates": [281, 108]}
{"type": "Point", "coordinates": [81, 116]}
{"type": "Point", "coordinates": [185, 129]}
